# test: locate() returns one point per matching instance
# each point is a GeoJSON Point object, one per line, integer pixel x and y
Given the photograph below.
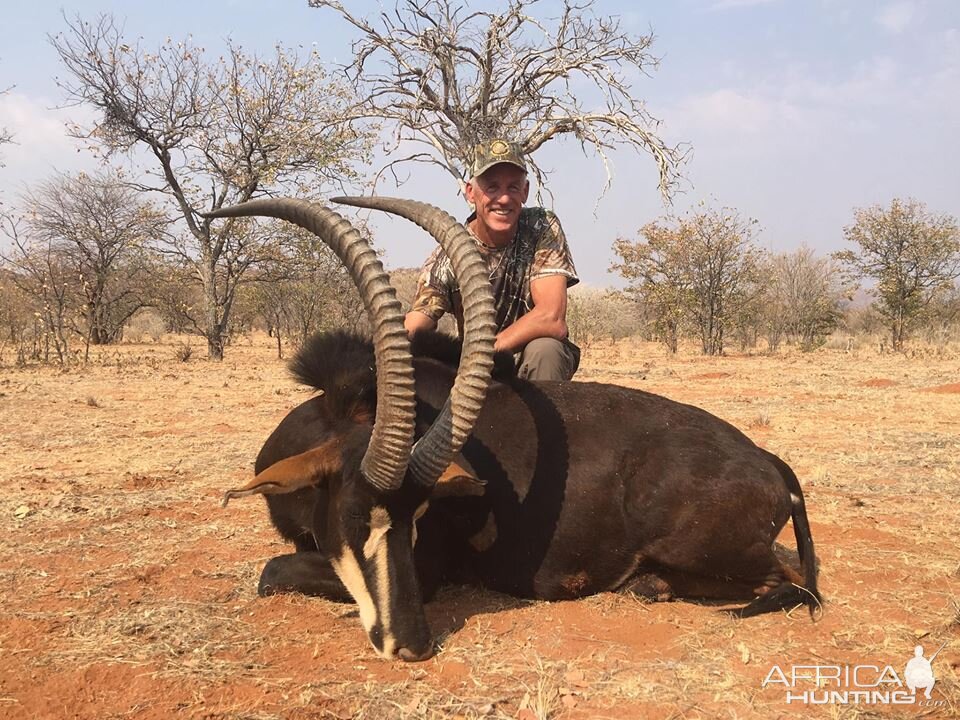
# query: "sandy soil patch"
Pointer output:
{"type": "Point", "coordinates": [129, 592]}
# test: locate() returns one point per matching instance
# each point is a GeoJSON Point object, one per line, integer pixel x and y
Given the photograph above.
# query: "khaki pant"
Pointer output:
{"type": "Point", "coordinates": [548, 359]}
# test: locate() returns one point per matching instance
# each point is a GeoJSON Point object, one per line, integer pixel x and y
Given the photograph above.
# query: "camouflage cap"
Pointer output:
{"type": "Point", "coordinates": [494, 152]}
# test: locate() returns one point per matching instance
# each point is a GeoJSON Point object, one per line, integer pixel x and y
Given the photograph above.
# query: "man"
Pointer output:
{"type": "Point", "coordinates": [530, 269]}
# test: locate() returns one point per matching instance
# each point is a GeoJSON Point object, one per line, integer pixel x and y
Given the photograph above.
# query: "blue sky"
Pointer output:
{"type": "Point", "coordinates": [798, 111]}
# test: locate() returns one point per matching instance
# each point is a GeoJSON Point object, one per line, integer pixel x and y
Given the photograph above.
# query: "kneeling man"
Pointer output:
{"type": "Point", "coordinates": [530, 269]}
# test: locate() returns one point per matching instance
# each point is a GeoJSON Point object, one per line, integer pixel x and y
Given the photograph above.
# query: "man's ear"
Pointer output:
{"type": "Point", "coordinates": [458, 480]}
{"type": "Point", "coordinates": [293, 473]}
{"type": "Point", "coordinates": [526, 191]}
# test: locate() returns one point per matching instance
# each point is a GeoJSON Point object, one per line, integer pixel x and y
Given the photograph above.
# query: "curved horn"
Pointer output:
{"type": "Point", "coordinates": [434, 451]}
{"type": "Point", "coordinates": [385, 461]}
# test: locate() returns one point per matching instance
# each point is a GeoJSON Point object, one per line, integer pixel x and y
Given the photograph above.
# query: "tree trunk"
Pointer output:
{"type": "Point", "coordinates": [215, 345]}
{"type": "Point", "coordinates": [672, 337]}
{"type": "Point", "coordinates": [214, 325]}
{"type": "Point", "coordinates": [897, 331]}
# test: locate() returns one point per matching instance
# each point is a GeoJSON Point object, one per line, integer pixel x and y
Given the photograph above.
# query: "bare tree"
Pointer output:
{"type": "Point", "coordinates": [701, 270]}
{"type": "Point", "coordinates": [802, 298]}
{"type": "Point", "coordinates": [216, 133]}
{"type": "Point", "coordinates": [176, 294]}
{"type": "Point", "coordinates": [446, 76]}
{"type": "Point", "coordinates": [102, 230]}
{"type": "Point", "coordinates": [19, 319]}
{"type": "Point", "coordinates": [40, 272]}
{"type": "Point", "coordinates": [724, 264]}
{"type": "Point", "coordinates": [305, 290]}
{"type": "Point", "coordinates": [943, 323]}
{"type": "Point", "coordinates": [595, 313]}
{"type": "Point", "coordinates": [912, 254]}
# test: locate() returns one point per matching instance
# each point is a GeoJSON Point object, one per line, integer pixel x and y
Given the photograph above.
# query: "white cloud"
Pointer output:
{"type": "Point", "coordinates": [937, 89]}
{"type": "Point", "coordinates": [725, 111]}
{"type": "Point", "coordinates": [28, 119]}
{"type": "Point", "coordinates": [945, 49]}
{"type": "Point", "coordinates": [870, 83]}
{"type": "Point", "coordinates": [40, 142]}
{"type": "Point", "coordinates": [795, 99]}
{"type": "Point", "coordinates": [897, 17]}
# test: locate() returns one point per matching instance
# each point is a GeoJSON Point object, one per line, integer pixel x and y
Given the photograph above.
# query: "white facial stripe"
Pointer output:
{"type": "Point", "coordinates": [381, 561]}
{"type": "Point", "coordinates": [348, 570]}
{"type": "Point", "coordinates": [376, 549]}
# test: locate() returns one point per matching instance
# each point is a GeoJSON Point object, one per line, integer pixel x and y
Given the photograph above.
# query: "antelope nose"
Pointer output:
{"type": "Point", "coordinates": [408, 655]}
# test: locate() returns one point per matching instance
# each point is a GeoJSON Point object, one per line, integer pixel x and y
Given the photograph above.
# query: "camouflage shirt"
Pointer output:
{"type": "Point", "coordinates": [539, 249]}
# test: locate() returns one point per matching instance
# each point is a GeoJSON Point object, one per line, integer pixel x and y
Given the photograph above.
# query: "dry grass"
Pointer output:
{"type": "Point", "coordinates": [128, 592]}
{"type": "Point", "coordinates": [760, 422]}
{"type": "Point", "coordinates": [183, 352]}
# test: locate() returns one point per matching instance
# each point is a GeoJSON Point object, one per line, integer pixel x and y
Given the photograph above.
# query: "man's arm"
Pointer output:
{"type": "Point", "coordinates": [433, 294]}
{"type": "Point", "coordinates": [547, 318]}
{"type": "Point", "coordinates": [415, 321]}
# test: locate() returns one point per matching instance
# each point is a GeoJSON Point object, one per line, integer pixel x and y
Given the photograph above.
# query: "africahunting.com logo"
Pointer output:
{"type": "Point", "coordinates": [866, 684]}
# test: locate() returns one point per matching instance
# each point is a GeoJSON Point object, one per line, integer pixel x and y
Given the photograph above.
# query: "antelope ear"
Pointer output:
{"type": "Point", "coordinates": [293, 473]}
{"type": "Point", "coordinates": [459, 480]}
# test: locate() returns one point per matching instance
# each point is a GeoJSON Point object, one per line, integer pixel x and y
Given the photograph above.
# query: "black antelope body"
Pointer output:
{"type": "Point", "coordinates": [411, 468]}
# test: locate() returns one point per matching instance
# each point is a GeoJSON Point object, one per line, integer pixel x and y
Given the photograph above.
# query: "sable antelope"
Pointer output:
{"type": "Point", "coordinates": [544, 490]}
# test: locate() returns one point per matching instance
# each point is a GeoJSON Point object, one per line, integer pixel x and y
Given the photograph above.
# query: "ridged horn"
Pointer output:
{"type": "Point", "coordinates": [384, 464]}
{"type": "Point", "coordinates": [434, 451]}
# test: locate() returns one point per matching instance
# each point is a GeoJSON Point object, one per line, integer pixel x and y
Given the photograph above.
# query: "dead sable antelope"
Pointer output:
{"type": "Point", "coordinates": [542, 490]}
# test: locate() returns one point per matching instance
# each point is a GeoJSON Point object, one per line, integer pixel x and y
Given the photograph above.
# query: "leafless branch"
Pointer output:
{"type": "Point", "coordinates": [218, 133]}
{"type": "Point", "coordinates": [453, 78]}
{"type": "Point", "coordinates": [5, 135]}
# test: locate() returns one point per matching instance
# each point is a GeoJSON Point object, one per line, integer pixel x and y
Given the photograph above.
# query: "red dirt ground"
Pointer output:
{"type": "Point", "coordinates": [129, 593]}
{"type": "Point", "coordinates": [948, 388]}
{"type": "Point", "coordinates": [879, 383]}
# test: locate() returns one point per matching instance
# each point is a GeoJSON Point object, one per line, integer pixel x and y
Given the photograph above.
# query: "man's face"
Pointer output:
{"type": "Point", "coordinates": [498, 195]}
